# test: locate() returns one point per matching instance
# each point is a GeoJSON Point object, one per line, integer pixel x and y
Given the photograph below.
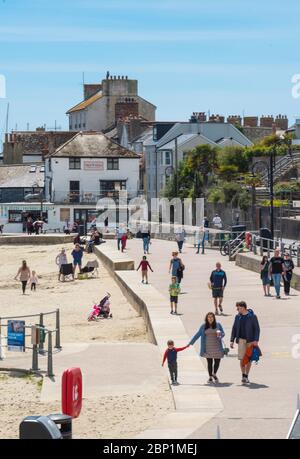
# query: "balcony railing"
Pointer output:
{"type": "Point", "coordinates": [92, 197]}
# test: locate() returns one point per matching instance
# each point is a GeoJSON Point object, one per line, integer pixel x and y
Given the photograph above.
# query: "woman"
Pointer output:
{"type": "Point", "coordinates": [264, 275]}
{"type": "Point", "coordinates": [287, 277]}
{"type": "Point", "coordinates": [24, 275]}
{"type": "Point", "coordinates": [211, 347]}
{"type": "Point", "coordinates": [180, 238]}
{"type": "Point", "coordinates": [60, 260]}
{"type": "Point", "coordinates": [177, 267]}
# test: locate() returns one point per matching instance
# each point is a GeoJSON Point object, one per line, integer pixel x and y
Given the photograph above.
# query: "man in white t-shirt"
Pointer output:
{"type": "Point", "coordinates": [217, 221]}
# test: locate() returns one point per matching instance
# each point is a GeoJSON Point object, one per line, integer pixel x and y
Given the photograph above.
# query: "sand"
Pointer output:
{"type": "Point", "coordinates": [109, 416]}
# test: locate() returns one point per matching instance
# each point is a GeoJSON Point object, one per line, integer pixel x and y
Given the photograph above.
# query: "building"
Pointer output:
{"type": "Point", "coordinates": [160, 153]}
{"type": "Point", "coordinates": [85, 169]}
{"type": "Point", "coordinates": [21, 195]}
{"type": "Point", "coordinates": [31, 146]}
{"type": "Point", "coordinates": [104, 104]}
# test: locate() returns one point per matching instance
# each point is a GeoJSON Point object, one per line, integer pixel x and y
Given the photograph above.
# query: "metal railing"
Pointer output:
{"type": "Point", "coordinates": [92, 197]}
{"type": "Point", "coordinates": [37, 348]}
{"type": "Point", "coordinates": [264, 246]}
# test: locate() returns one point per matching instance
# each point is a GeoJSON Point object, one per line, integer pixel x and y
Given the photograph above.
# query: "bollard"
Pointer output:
{"type": "Point", "coordinates": [298, 256]}
{"type": "Point", "coordinates": [50, 356]}
{"type": "Point", "coordinates": [282, 248]}
{"type": "Point", "coordinates": [35, 363]}
{"type": "Point", "coordinates": [261, 247]}
{"type": "Point", "coordinates": [41, 324]}
{"type": "Point", "coordinates": [57, 335]}
{"type": "Point", "coordinates": [268, 247]}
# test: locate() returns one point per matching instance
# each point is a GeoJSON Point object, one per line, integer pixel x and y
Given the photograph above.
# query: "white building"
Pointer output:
{"type": "Point", "coordinates": [88, 167]}
{"type": "Point", "coordinates": [104, 104]}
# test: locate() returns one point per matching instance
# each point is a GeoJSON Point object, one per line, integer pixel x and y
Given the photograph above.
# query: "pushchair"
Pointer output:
{"type": "Point", "coordinates": [67, 271]}
{"type": "Point", "coordinates": [90, 268]}
{"type": "Point", "coordinates": [101, 310]}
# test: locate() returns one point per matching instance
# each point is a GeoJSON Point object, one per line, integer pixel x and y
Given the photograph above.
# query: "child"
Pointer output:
{"type": "Point", "coordinates": [174, 290]}
{"type": "Point", "coordinates": [144, 264]}
{"type": "Point", "coordinates": [171, 355]}
{"type": "Point", "coordinates": [123, 242]}
{"type": "Point", "coordinates": [33, 280]}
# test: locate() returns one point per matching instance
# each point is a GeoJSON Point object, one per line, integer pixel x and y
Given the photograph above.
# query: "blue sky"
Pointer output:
{"type": "Point", "coordinates": [226, 56]}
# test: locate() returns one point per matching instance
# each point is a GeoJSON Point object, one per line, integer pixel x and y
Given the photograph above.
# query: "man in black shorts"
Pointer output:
{"type": "Point", "coordinates": [218, 281]}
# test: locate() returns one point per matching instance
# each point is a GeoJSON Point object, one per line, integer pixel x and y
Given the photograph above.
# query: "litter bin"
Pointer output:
{"type": "Point", "coordinates": [64, 424]}
{"type": "Point", "coordinates": [264, 234]}
{"type": "Point", "coordinates": [81, 230]}
{"type": "Point", "coordinates": [39, 428]}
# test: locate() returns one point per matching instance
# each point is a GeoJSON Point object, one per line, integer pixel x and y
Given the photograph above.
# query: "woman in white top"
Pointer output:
{"type": "Point", "coordinates": [60, 260]}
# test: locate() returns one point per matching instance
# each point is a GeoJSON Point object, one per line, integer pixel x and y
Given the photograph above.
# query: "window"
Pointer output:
{"type": "Point", "coordinates": [14, 216]}
{"type": "Point", "coordinates": [154, 133]}
{"type": "Point", "coordinates": [167, 158]}
{"type": "Point", "coordinates": [65, 214]}
{"type": "Point", "coordinates": [74, 163]}
{"type": "Point", "coordinates": [113, 164]}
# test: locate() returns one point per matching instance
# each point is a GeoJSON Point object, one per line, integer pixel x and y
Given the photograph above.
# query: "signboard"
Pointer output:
{"type": "Point", "coordinates": [93, 165]}
{"type": "Point", "coordinates": [16, 335]}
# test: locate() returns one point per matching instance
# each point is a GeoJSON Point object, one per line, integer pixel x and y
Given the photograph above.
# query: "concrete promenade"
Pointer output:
{"type": "Point", "coordinates": [265, 408]}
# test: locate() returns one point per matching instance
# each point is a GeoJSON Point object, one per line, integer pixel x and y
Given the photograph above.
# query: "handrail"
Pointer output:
{"type": "Point", "coordinates": [29, 315]}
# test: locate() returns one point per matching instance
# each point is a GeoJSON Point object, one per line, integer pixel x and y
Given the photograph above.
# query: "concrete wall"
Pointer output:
{"type": "Point", "coordinates": [41, 239]}
{"type": "Point", "coordinates": [252, 262]}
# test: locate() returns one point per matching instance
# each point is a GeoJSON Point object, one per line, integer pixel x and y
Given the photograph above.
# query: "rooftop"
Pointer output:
{"type": "Point", "coordinates": [22, 176]}
{"type": "Point", "coordinates": [93, 145]}
{"type": "Point", "coordinates": [85, 103]}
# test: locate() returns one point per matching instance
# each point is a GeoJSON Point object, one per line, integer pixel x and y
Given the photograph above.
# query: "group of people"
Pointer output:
{"type": "Point", "coordinates": [274, 270]}
{"type": "Point", "coordinates": [245, 332]}
{"type": "Point", "coordinates": [25, 276]}
{"type": "Point", "coordinates": [34, 227]}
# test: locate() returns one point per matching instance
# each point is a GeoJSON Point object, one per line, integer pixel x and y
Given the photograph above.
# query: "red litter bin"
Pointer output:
{"type": "Point", "coordinates": [72, 392]}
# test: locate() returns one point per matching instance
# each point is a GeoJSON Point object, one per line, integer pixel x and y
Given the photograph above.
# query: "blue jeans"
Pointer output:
{"type": "Point", "coordinates": [276, 279]}
{"type": "Point", "coordinates": [146, 244]}
{"type": "Point", "coordinates": [201, 244]}
{"type": "Point", "coordinates": [119, 243]}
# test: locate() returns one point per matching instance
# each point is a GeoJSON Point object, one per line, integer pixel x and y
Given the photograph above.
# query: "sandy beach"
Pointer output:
{"type": "Point", "coordinates": [108, 416]}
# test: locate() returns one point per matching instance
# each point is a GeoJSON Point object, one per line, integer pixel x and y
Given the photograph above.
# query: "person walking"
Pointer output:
{"type": "Point", "coordinates": [264, 275]}
{"type": "Point", "coordinates": [123, 241]}
{"type": "Point", "coordinates": [277, 270]}
{"type": "Point", "coordinates": [119, 238]}
{"type": "Point", "coordinates": [33, 281]}
{"type": "Point", "coordinates": [211, 347]}
{"type": "Point", "coordinates": [177, 267]}
{"type": "Point", "coordinates": [145, 265]}
{"type": "Point", "coordinates": [218, 282]}
{"type": "Point", "coordinates": [24, 275]}
{"type": "Point", "coordinates": [174, 290]}
{"type": "Point", "coordinates": [146, 241]}
{"type": "Point", "coordinates": [180, 237]}
{"type": "Point", "coordinates": [245, 332]}
{"type": "Point", "coordinates": [77, 255]}
{"type": "Point", "coordinates": [171, 355]}
{"type": "Point", "coordinates": [61, 259]}
{"type": "Point", "coordinates": [289, 266]}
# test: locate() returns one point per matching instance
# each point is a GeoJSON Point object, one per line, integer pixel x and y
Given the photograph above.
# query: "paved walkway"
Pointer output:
{"type": "Point", "coordinates": [265, 408]}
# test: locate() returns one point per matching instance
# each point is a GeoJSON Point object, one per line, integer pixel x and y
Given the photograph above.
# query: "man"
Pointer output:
{"type": "Point", "coordinates": [217, 221]}
{"type": "Point", "coordinates": [245, 332]}
{"type": "Point", "coordinates": [277, 270]}
{"type": "Point", "coordinates": [180, 237]}
{"type": "Point", "coordinates": [218, 281]}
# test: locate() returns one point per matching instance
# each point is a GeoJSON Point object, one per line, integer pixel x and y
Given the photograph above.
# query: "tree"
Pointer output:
{"type": "Point", "coordinates": [203, 159]}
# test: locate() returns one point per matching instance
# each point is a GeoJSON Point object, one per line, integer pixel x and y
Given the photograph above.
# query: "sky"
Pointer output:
{"type": "Point", "coordinates": [225, 56]}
